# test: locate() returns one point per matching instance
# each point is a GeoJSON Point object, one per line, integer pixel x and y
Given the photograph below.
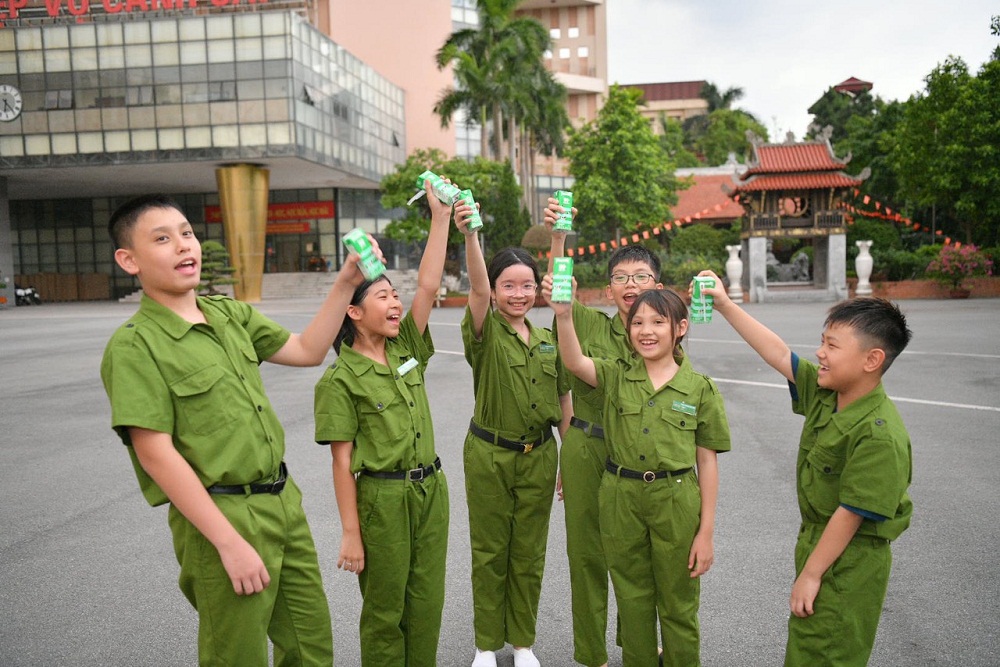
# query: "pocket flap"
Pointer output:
{"type": "Point", "coordinates": [198, 382]}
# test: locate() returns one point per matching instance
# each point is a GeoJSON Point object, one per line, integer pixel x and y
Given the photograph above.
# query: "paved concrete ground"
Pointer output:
{"type": "Point", "coordinates": [88, 576]}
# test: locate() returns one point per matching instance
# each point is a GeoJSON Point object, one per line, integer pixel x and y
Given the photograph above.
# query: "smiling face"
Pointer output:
{"type": "Point", "coordinates": [514, 291]}
{"type": "Point", "coordinates": [653, 334]}
{"type": "Point", "coordinates": [379, 312]}
{"type": "Point", "coordinates": [625, 294]}
{"type": "Point", "coordinates": [842, 358]}
{"type": "Point", "coordinates": [163, 253]}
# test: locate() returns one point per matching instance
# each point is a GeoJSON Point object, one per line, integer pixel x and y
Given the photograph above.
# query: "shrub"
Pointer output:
{"type": "Point", "coordinates": [954, 264]}
{"type": "Point", "coordinates": [699, 239]}
{"type": "Point", "coordinates": [679, 269]}
{"type": "Point", "coordinates": [895, 264]}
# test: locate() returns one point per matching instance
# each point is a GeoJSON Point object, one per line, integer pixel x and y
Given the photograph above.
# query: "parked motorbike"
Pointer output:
{"type": "Point", "coordinates": [26, 296]}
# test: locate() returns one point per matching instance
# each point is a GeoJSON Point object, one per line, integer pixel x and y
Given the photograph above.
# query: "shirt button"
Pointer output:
{"type": "Point", "coordinates": [418, 434]}
{"type": "Point", "coordinates": [621, 411]}
{"type": "Point", "coordinates": [378, 406]}
{"type": "Point", "coordinates": [532, 406]}
{"type": "Point", "coordinates": [651, 403]}
{"type": "Point", "coordinates": [642, 457]}
{"type": "Point", "coordinates": [533, 380]}
{"type": "Point", "coordinates": [683, 423]}
{"type": "Point", "coordinates": [531, 354]}
{"type": "Point", "coordinates": [879, 422]}
{"type": "Point", "coordinates": [395, 377]}
{"type": "Point", "coordinates": [411, 404]}
{"type": "Point", "coordinates": [260, 408]}
{"type": "Point", "coordinates": [645, 430]}
{"type": "Point", "coordinates": [826, 469]}
{"type": "Point", "coordinates": [241, 376]}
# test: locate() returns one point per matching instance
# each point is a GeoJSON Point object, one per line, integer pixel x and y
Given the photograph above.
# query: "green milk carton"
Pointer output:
{"type": "Point", "coordinates": [565, 221]}
{"type": "Point", "coordinates": [357, 243]}
{"type": "Point", "coordinates": [701, 303]}
{"type": "Point", "coordinates": [446, 192]}
{"type": "Point", "coordinates": [562, 280]}
{"type": "Point", "coordinates": [475, 221]}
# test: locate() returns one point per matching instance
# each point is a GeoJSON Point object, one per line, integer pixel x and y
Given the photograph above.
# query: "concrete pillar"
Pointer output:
{"type": "Point", "coordinates": [836, 266]}
{"type": "Point", "coordinates": [6, 249]}
{"type": "Point", "coordinates": [243, 191]}
{"type": "Point", "coordinates": [757, 263]}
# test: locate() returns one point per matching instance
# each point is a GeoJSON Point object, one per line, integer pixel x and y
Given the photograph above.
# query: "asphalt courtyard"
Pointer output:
{"type": "Point", "coordinates": [88, 575]}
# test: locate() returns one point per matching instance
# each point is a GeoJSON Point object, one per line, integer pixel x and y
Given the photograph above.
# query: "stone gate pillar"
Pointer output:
{"type": "Point", "coordinates": [757, 268]}
{"type": "Point", "coordinates": [243, 191]}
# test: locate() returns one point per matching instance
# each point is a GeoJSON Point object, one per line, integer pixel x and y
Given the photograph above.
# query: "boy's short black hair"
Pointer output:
{"type": "Point", "coordinates": [878, 322]}
{"type": "Point", "coordinates": [634, 253]}
{"type": "Point", "coordinates": [125, 216]}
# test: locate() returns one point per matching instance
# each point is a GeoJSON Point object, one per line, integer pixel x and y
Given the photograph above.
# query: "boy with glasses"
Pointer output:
{"type": "Point", "coordinates": [632, 270]}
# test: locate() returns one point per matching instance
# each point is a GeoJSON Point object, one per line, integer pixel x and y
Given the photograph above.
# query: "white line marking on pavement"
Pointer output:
{"type": "Point", "coordinates": [807, 345]}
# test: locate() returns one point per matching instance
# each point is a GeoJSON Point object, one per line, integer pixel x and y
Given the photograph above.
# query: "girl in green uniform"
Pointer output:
{"type": "Point", "coordinates": [371, 408]}
{"type": "Point", "coordinates": [510, 454]}
{"type": "Point", "coordinates": [662, 420]}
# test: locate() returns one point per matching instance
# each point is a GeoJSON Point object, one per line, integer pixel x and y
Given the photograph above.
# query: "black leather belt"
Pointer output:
{"type": "Point", "coordinates": [590, 429]}
{"type": "Point", "coordinates": [517, 446]}
{"type": "Point", "coordinates": [413, 475]}
{"type": "Point", "coordinates": [647, 476]}
{"type": "Point", "coordinates": [274, 487]}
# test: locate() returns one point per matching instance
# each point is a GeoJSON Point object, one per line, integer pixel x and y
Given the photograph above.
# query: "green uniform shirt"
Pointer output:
{"type": "Point", "coordinates": [601, 336]}
{"type": "Point", "coordinates": [659, 430]}
{"type": "Point", "coordinates": [201, 384]}
{"type": "Point", "coordinates": [859, 457]}
{"type": "Point", "coordinates": [517, 386]}
{"type": "Point", "coordinates": [384, 411]}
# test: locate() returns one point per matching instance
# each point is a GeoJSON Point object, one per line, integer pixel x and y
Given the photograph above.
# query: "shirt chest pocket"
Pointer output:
{"type": "Point", "coordinates": [203, 404]}
{"type": "Point", "coordinates": [821, 479]}
{"type": "Point", "coordinates": [679, 439]}
{"type": "Point", "coordinates": [629, 416]}
{"type": "Point", "coordinates": [383, 413]}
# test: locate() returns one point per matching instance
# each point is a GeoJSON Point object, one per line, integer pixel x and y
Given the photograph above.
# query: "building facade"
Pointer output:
{"type": "Point", "coordinates": [111, 104]}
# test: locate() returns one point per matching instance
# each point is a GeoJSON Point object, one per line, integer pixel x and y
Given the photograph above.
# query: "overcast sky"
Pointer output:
{"type": "Point", "coordinates": [784, 54]}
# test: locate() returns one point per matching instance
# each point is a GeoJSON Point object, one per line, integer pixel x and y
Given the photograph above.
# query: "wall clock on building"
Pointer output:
{"type": "Point", "coordinates": [10, 102]}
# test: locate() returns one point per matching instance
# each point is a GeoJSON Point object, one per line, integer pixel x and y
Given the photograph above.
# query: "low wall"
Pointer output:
{"type": "Point", "coordinates": [983, 287]}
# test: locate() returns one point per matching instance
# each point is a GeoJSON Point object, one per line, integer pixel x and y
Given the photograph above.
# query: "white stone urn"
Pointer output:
{"type": "Point", "coordinates": [863, 267]}
{"type": "Point", "coordinates": [734, 271]}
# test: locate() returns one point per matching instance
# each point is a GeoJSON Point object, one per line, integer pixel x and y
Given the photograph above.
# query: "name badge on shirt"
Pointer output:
{"type": "Point", "coordinates": [546, 348]}
{"type": "Point", "coordinates": [407, 366]}
{"type": "Point", "coordinates": [681, 406]}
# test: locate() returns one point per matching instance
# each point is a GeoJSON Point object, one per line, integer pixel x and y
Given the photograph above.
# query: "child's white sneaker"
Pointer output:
{"type": "Point", "coordinates": [485, 659]}
{"type": "Point", "coordinates": [524, 657]}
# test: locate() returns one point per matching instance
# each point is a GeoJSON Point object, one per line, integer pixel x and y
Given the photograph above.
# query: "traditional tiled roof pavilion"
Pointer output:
{"type": "Point", "coordinates": [796, 189]}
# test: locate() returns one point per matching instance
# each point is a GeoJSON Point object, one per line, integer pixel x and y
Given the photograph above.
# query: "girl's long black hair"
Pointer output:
{"type": "Point", "coordinates": [348, 330]}
{"type": "Point", "coordinates": [667, 303]}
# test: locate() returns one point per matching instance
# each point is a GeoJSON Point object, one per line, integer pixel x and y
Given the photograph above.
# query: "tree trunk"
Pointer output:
{"type": "Point", "coordinates": [511, 134]}
{"type": "Point", "coordinates": [498, 131]}
{"type": "Point", "coordinates": [484, 135]}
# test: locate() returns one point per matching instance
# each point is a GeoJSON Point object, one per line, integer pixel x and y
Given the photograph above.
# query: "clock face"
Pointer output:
{"type": "Point", "coordinates": [10, 102]}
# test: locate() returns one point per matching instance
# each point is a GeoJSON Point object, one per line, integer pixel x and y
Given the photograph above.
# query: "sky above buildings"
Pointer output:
{"type": "Point", "coordinates": [786, 53]}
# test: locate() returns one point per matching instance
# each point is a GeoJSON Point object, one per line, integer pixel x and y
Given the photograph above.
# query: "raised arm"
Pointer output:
{"type": "Point", "coordinates": [310, 347]}
{"type": "Point", "coordinates": [479, 279]}
{"type": "Point", "coordinates": [765, 342]}
{"type": "Point", "coordinates": [570, 352]}
{"type": "Point", "coordinates": [432, 262]}
{"type": "Point", "coordinates": [174, 475]}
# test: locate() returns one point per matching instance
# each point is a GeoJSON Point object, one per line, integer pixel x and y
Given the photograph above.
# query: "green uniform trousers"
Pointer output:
{"type": "Point", "coordinates": [510, 499]}
{"type": "Point", "coordinates": [582, 460]}
{"type": "Point", "coordinates": [293, 610]}
{"type": "Point", "coordinates": [841, 631]}
{"type": "Point", "coordinates": [647, 530]}
{"type": "Point", "coordinates": [404, 527]}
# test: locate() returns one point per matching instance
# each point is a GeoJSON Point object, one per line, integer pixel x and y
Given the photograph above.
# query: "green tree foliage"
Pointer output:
{"type": "Point", "coordinates": [726, 133]}
{"type": "Point", "coordinates": [215, 268]}
{"type": "Point", "coordinates": [623, 176]}
{"type": "Point", "coordinates": [835, 109]}
{"type": "Point", "coordinates": [869, 139]}
{"type": "Point", "coordinates": [699, 239]}
{"type": "Point", "coordinates": [672, 140]}
{"type": "Point", "coordinates": [947, 150]}
{"type": "Point", "coordinates": [492, 183]}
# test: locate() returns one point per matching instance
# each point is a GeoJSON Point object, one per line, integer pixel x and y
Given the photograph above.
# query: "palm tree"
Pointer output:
{"type": "Point", "coordinates": [719, 100]}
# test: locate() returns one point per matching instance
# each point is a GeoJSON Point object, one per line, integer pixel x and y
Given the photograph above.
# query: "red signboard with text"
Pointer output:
{"type": "Point", "coordinates": [280, 217]}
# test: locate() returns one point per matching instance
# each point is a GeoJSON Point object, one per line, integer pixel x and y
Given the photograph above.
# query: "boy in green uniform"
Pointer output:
{"type": "Point", "coordinates": [632, 270]}
{"type": "Point", "coordinates": [371, 407]}
{"type": "Point", "coordinates": [188, 401]}
{"type": "Point", "coordinates": [854, 467]}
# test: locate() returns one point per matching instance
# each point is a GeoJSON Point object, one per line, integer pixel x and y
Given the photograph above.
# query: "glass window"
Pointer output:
{"type": "Point", "coordinates": [198, 137]}
{"type": "Point", "coordinates": [11, 146]}
{"type": "Point", "coordinates": [192, 30]}
{"type": "Point", "coordinates": [564, 53]}
{"type": "Point", "coordinates": [63, 144]}
{"type": "Point", "coordinates": [247, 25]}
{"type": "Point", "coordinates": [84, 59]}
{"type": "Point", "coordinates": [56, 37]}
{"type": "Point", "coordinates": [573, 32]}
{"type": "Point", "coordinates": [555, 33]}
{"type": "Point", "coordinates": [110, 57]}
{"type": "Point", "coordinates": [90, 142]}
{"type": "Point", "coordinates": [117, 142]}
{"type": "Point", "coordinates": [83, 35]}
{"type": "Point", "coordinates": [29, 39]}
{"type": "Point", "coordinates": [138, 55]}
{"type": "Point", "coordinates": [144, 140]}
{"type": "Point", "coordinates": [8, 62]}
{"type": "Point", "coordinates": [30, 62]}
{"type": "Point", "coordinates": [164, 31]}
{"type": "Point", "coordinates": [583, 52]}
{"type": "Point", "coordinates": [250, 90]}
{"type": "Point", "coordinates": [36, 144]}
{"type": "Point", "coordinates": [220, 51]}
{"type": "Point", "coordinates": [136, 32]}
{"type": "Point", "coordinates": [220, 27]}
{"type": "Point", "coordinates": [109, 34]}
{"type": "Point", "coordinates": [279, 134]}
{"type": "Point", "coordinates": [193, 53]}
{"type": "Point", "coordinates": [6, 40]}
{"type": "Point", "coordinates": [194, 73]}
{"type": "Point", "coordinates": [253, 135]}
{"type": "Point", "coordinates": [171, 139]}
{"type": "Point", "coordinates": [225, 136]}
{"type": "Point", "coordinates": [274, 48]}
